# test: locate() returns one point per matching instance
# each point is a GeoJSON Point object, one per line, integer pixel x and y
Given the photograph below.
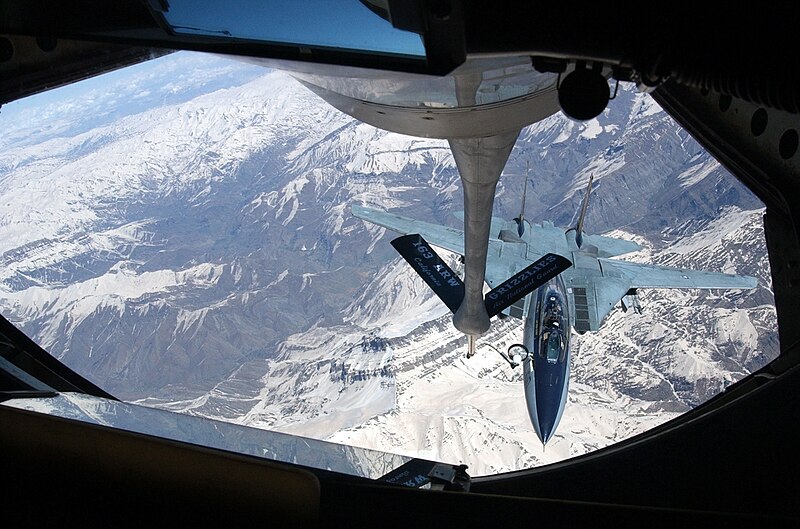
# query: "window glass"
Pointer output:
{"type": "Point", "coordinates": [346, 24]}
{"type": "Point", "coordinates": [180, 233]}
{"type": "Point", "coordinates": [231, 437]}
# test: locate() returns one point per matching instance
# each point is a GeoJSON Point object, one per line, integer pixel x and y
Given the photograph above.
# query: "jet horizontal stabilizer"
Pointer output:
{"type": "Point", "coordinates": [433, 270]}
{"type": "Point", "coordinates": [524, 282]}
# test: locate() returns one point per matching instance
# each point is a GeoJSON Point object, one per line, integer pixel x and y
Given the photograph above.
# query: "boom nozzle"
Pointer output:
{"type": "Point", "coordinates": [471, 339]}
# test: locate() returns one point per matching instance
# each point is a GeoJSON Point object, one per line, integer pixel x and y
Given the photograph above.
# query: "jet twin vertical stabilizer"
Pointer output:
{"type": "Point", "coordinates": [582, 214]}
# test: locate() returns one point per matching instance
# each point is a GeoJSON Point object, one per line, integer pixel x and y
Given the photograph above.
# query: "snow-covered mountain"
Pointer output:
{"type": "Point", "coordinates": [180, 234]}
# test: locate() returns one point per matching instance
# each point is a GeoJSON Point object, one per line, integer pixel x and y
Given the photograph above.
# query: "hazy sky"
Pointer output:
{"type": "Point", "coordinates": [333, 23]}
{"type": "Point", "coordinates": [167, 80]}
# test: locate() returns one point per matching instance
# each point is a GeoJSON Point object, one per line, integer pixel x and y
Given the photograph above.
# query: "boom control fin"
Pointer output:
{"type": "Point", "coordinates": [524, 282]}
{"type": "Point", "coordinates": [431, 268]}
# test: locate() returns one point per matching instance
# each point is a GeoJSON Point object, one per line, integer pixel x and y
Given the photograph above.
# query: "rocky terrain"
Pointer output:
{"type": "Point", "coordinates": [180, 233]}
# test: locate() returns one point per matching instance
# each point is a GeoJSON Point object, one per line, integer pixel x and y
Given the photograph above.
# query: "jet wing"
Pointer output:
{"type": "Point", "coordinates": [413, 248]}
{"type": "Point", "coordinates": [609, 246]}
{"type": "Point", "coordinates": [595, 295]}
{"type": "Point", "coordinates": [653, 276]}
{"type": "Point", "coordinates": [448, 238]}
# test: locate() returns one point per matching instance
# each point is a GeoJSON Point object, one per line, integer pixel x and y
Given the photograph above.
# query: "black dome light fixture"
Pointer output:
{"type": "Point", "coordinates": [584, 93]}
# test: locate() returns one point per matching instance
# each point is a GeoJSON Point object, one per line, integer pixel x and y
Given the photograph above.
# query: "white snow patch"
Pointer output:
{"type": "Point", "coordinates": [591, 129]}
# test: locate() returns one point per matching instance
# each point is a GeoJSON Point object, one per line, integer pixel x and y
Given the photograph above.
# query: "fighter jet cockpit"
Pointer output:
{"type": "Point", "coordinates": [554, 330]}
{"type": "Point", "coordinates": [553, 345]}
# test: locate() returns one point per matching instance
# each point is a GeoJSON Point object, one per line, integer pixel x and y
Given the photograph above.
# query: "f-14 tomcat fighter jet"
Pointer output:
{"type": "Point", "coordinates": [560, 280]}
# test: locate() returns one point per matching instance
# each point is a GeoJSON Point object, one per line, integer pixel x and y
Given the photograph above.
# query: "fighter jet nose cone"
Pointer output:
{"type": "Point", "coordinates": [546, 435]}
{"type": "Point", "coordinates": [546, 427]}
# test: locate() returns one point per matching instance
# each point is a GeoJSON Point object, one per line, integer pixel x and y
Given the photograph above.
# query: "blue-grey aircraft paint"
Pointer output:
{"type": "Point", "coordinates": [582, 295]}
{"type": "Point", "coordinates": [546, 368]}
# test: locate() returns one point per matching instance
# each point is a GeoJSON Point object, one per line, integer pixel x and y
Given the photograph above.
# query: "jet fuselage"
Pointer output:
{"type": "Point", "coordinates": [546, 368]}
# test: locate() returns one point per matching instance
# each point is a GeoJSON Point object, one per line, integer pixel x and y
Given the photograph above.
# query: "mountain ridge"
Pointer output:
{"type": "Point", "coordinates": [200, 256]}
